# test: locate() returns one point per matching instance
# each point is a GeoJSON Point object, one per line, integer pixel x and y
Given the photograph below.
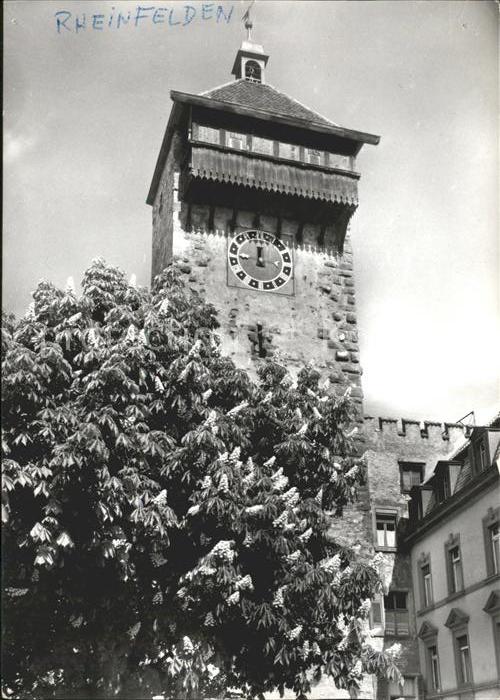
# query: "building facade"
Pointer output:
{"type": "Point", "coordinates": [252, 196]}
{"type": "Point", "coordinates": [453, 541]}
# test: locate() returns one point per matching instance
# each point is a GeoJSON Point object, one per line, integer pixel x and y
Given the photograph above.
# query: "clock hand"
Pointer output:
{"type": "Point", "coordinates": [276, 263]}
{"type": "Point", "coordinates": [244, 256]}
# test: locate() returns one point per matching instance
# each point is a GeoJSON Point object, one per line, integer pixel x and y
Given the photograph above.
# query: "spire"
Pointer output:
{"type": "Point", "coordinates": [248, 22]}
{"type": "Point", "coordinates": [250, 60]}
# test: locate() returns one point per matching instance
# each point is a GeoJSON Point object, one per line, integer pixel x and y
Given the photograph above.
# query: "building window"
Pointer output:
{"type": "Point", "coordinates": [480, 456]}
{"type": "Point", "coordinates": [457, 621]}
{"type": "Point", "coordinates": [386, 530]}
{"type": "Point", "coordinates": [443, 490]}
{"type": "Point", "coordinates": [335, 160]}
{"type": "Point", "coordinates": [433, 661]}
{"type": "Point", "coordinates": [236, 140]}
{"type": "Point", "coordinates": [427, 585]}
{"type": "Point", "coordinates": [208, 134]}
{"type": "Point", "coordinates": [314, 156]}
{"type": "Point", "coordinates": [492, 608]}
{"type": "Point", "coordinates": [463, 662]}
{"type": "Point", "coordinates": [491, 533]}
{"type": "Point", "coordinates": [260, 145]}
{"type": "Point", "coordinates": [495, 547]}
{"type": "Point", "coordinates": [253, 71]}
{"type": "Point", "coordinates": [396, 613]}
{"type": "Point", "coordinates": [288, 150]}
{"type": "Point", "coordinates": [454, 564]}
{"type": "Point", "coordinates": [411, 475]}
{"type": "Point", "coordinates": [377, 616]}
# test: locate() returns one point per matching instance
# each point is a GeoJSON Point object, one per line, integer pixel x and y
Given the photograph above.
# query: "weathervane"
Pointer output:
{"type": "Point", "coordinates": [248, 22]}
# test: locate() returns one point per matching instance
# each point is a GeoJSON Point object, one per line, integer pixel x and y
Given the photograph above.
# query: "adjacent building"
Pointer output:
{"type": "Point", "coordinates": [453, 542]}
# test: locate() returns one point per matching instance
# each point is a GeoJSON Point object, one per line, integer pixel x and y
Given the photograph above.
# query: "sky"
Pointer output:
{"type": "Point", "coordinates": [85, 112]}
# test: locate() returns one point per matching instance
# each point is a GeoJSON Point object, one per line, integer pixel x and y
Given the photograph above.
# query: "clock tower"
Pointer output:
{"type": "Point", "coordinates": [252, 195]}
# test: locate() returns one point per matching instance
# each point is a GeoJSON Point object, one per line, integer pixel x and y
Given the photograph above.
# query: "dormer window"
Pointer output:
{"type": "Point", "coordinates": [253, 72]}
{"type": "Point", "coordinates": [480, 455]}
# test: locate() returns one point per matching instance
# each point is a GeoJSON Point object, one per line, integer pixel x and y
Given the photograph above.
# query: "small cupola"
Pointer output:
{"type": "Point", "coordinates": [250, 61]}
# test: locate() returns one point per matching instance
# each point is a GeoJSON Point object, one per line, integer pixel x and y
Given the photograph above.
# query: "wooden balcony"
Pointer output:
{"type": "Point", "coordinates": [219, 164]}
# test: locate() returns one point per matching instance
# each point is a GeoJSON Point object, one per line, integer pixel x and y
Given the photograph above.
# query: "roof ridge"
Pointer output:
{"type": "Point", "coordinates": [309, 109]}
{"type": "Point", "coordinates": [218, 87]}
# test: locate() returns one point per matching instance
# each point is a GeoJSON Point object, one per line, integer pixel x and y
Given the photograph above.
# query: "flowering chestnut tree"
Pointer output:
{"type": "Point", "coordinates": [166, 519]}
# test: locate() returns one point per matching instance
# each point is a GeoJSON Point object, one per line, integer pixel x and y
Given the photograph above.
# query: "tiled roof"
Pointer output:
{"type": "Point", "coordinates": [266, 98]}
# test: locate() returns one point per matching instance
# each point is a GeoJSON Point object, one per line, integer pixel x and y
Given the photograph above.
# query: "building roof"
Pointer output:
{"type": "Point", "coordinates": [266, 98]}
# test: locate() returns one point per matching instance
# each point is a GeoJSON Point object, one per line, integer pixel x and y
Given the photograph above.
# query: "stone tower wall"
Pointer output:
{"type": "Point", "coordinates": [318, 322]}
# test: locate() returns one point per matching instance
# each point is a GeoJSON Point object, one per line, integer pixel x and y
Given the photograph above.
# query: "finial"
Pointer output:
{"type": "Point", "coordinates": [248, 22]}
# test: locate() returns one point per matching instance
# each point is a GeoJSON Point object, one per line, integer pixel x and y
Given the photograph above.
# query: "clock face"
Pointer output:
{"type": "Point", "coordinates": [260, 260]}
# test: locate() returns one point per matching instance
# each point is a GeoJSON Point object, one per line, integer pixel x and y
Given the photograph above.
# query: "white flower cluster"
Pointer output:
{"type": "Point", "coordinates": [195, 349]}
{"type": "Point", "coordinates": [161, 498]}
{"type": "Point", "coordinates": [280, 483]}
{"type": "Point", "coordinates": [315, 649]}
{"type": "Point", "coordinates": [92, 338]}
{"type": "Point", "coordinates": [250, 476]}
{"type": "Point", "coordinates": [270, 461]}
{"type": "Point", "coordinates": [234, 598]}
{"type": "Point", "coordinates": [352, 472]}
{"type": "Point", "coordinates": [293, 634]}
{"type": "Point", "coordinates": [209, 620]}
{"type": "Point", "coordinates": [237, 408]}
{"type": "Point", "coordinates": [305, 651]}
{"type": "Point", "coordinates": [304, 537]}
{"type": "Point", "coordinates": [342, 625]}
{"type": "Point", "coordinates": [291, 497]}
{"type": "Point", "coordinates": [294, 556]}
{"type": "Point", "coordinates": [281, 520]}
{"type": "Point", "coordinates": [357, 668]}
{"type": "Point", "coordinates": [164, 306]}
{"type": "Point", "coordinates": [159, 384]}
{"type": "Point", "coordinates": [248, 540]}
{"type": "Point", "coordinates": [187, 645]}
{"type": "Point", "coordinates": [131, 336]}
{"type": "Point", "coordinates": [278, 600]}
{"type": "Point", "coordinates": [235, 454]}
{"type": "Point", "coordinates": [224, 483]}
{"type": "Point", "coordinates": [222, 549]}
{"type": "Point", "coordinates": [206, 570]}
{"type": "Point", "coordinates": [331, 565]}
{"type": "Point", "coordinates": [207, 482]}
{"type": "Point", "coordinates": [194, 510]}
{"type": "Point", "coordinates": [212, 671]}
{"type": "Point", "coordinates": [245, 583]}
{"type": "Point", "coordinates": [212, 417]}
{"type": "Point", "coordinates": [253, 510]}
{"type": "Point", "coordinates": [319, 497]}
{"type": "Point", "coordinates": [394, 650]}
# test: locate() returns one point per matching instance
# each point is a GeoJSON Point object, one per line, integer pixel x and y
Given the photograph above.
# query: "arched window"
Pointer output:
{"type": "Point", "coordinates": [252, 71]}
